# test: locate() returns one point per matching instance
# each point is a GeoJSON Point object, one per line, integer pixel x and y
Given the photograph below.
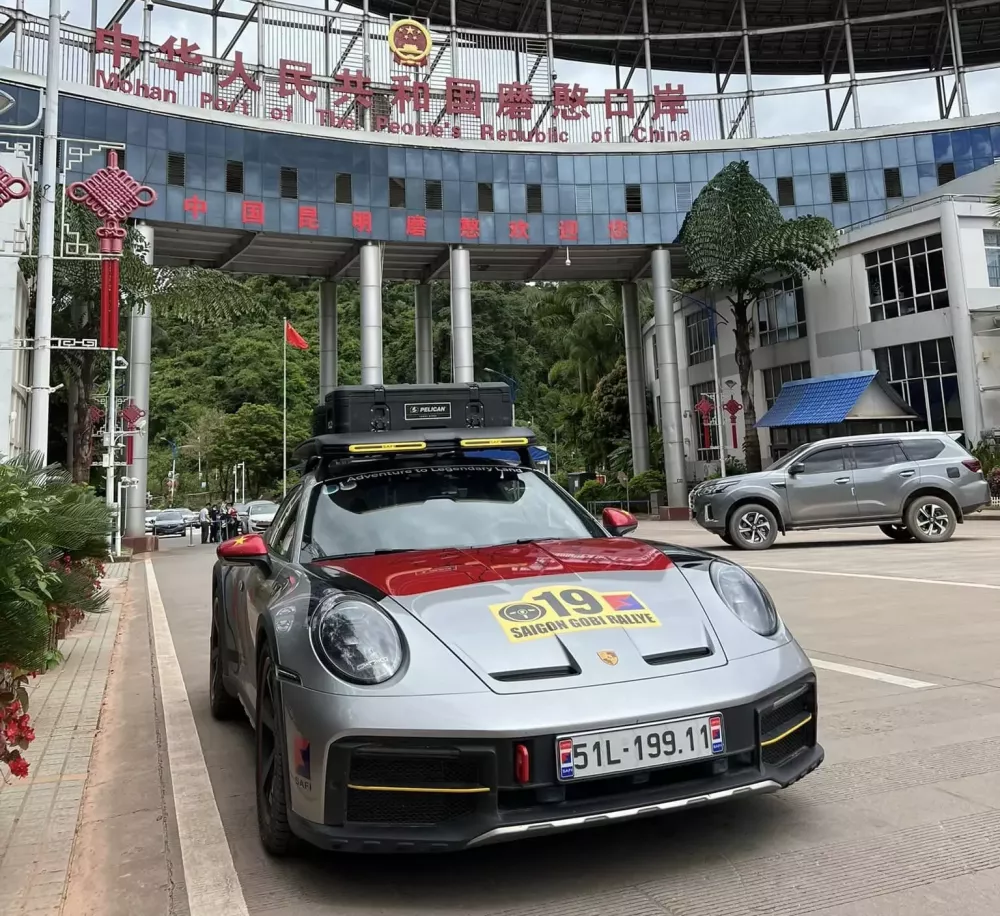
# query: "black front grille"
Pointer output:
{"type": "Point", "coordinates": [418, 809]}
{"type": "Point", "coordinates": [789, 728]}
{"type": "Point", "coordinates": [403, 770]}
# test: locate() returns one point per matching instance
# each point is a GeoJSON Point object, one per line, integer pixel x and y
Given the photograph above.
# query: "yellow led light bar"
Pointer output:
{"type": "Point", "coordinates": [492, 443]}
{"type": "Point", "coordinates": [371, 447]}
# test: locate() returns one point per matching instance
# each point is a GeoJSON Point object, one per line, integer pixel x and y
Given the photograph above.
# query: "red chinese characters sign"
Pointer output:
{"type": "Point", "coordinates": [506, 112]}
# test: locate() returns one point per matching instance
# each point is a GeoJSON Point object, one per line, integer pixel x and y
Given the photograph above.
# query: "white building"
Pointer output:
{"type": "Point", "coordinates": [914, 294]}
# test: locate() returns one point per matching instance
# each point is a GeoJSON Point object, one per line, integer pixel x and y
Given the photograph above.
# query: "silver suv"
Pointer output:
{"type": "Point", "coordinates": [912, 485]}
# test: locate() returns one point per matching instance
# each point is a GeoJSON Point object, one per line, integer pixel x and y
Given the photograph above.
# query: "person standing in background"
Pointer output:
{"type": "Point", "coordinates": [203, 520]}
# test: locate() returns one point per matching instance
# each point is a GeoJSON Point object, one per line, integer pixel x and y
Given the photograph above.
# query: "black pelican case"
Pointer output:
{"type": "Point", "coordinates": [404, 408]}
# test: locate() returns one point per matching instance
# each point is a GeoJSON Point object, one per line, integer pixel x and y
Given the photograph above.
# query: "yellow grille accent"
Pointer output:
{"type": "Point", "coordinates": [369, 447]}
{"type": "Point", "coordinates": [790, 731]}
{"type": "Point", "coordinates": [492, 443]}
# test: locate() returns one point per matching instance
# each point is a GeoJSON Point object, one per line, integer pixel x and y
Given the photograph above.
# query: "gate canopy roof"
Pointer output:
{"type": "Point", "coordinates": [890, 44]}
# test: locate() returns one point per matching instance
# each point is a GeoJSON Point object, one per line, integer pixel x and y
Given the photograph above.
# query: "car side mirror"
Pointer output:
{"type": "Point", "coordinates": [618, 522]}
{"type": "Point", "coordinates": [796, 468]}
{"type": "Point", "coordinates": [245, 550]}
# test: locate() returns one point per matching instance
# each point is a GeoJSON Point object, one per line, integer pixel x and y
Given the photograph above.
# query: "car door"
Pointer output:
{"type": "Point", "coordinates": [820, 488]}
{"type": "Point", "coordinates": [261, 587]}
{"type": "Point", "coordinates": [881, 477]}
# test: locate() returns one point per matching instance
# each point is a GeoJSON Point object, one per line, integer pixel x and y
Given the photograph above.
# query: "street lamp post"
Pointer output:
{"type": "Point", "coordinates": [173, 467]}
{"type": "Point", "coordinates": [512, 384]}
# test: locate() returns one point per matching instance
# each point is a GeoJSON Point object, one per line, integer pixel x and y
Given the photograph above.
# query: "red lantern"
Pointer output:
{"type": "Point", "coordinates": [733, 407]}
{"type": "Point", "coordinates": [112, 195]}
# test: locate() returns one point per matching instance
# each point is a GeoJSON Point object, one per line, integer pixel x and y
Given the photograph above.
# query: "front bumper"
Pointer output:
{"type": "Point", "coordinates": [398, 794]}
{"type": "Point", "coordinates": [709, 512]}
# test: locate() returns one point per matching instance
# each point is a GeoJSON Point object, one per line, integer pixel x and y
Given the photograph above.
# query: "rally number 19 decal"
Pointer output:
{"type": "Point", "coordinates": [547, 611]}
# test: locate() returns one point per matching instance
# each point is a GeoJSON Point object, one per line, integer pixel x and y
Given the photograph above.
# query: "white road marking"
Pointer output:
{"type": "Point", "coordinates": [872, 675]}
{"type": "Point", "coordinates": [213, 887]}
{"type": "Point", "coordinates": [851, 575]}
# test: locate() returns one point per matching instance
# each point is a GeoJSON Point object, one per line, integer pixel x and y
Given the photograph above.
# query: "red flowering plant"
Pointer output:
{"type": "Point", "coordinates": [52, 533]}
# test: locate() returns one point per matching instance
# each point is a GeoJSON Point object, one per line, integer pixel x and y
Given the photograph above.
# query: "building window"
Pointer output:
{"type": "Point", "coordinates": [776, 377]}
{"type": "Point", "coordinates": [698, 329]}
{"type": "Point", "coordinates": [786, 192]}
{"type": "Point", "coordinates": [991, 239]}
{"type": "Point", "coordinates": [289, 181]}
{"type": "Point", "coordinates": [433, 195]}
{"type": "Point", "coordinates": [781, 312]}
{"type": "Point", "coordinates": [485, 197]}
{"type": "Point", "coordinates": [343, 188]}
{"type": "Point", "coordinates": [945, 172]}
{"type": "Point", "coordinates": [839, 191]}
{"type": "Point", "coordinates": [176, 169]}
{"type": "Point", "coordinates": [633, 198]}
{"type": "Point", "coordinates": [706, 428]}
{"type": "Point", "coordinates": [584, 198]}
{"type": "Point", "coordinates": [234, 176]}
{"type": "Point", "coordinates": [684, 197]}
{"type": "Point", "coordinates": [893, 184]}
{"type": "Point", "coordinates": [906, 278]}
{"type": "Point", "coordinates": [925, 376]}
{"type": "Point", "coordinates": [397, 193]}
{"type": "Point", "coordinates": [534, 198]}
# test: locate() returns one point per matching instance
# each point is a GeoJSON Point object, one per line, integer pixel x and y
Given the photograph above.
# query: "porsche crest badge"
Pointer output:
{"type": "Point", "coordinates": [609, 658]}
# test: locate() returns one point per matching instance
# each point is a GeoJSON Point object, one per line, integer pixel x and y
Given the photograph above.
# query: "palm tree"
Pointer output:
{"type": "Point", "coordinates": [200, 296]}
{"type": "Point", "coordinates": [736, 241]}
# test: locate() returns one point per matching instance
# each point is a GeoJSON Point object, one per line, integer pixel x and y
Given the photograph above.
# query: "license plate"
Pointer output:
{"type": "Point", "coordinates": [640, 747]}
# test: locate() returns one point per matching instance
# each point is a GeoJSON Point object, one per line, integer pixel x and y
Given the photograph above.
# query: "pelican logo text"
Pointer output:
{"type": "Point", "coordinates": [608, 657]}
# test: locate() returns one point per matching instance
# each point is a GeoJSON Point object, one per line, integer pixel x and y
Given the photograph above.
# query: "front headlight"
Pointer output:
{"type": "Point", "coordinates": [745, 598]}
{"type": "Point", "coordinates": [356, 639]}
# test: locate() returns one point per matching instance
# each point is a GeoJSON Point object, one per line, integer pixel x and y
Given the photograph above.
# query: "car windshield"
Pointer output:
{"type": "Point", "coordinates": [449, 505]}
{"type": "Point", "coordinates": [263, 509]}
{"type": "Point", "coordinates": [790, 458]}
{"type": "Point", "coordinates": [170, 514]}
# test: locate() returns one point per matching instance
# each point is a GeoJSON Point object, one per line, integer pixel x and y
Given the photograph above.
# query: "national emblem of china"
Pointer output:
{"type": "Point", "coordinates": [410, 42]}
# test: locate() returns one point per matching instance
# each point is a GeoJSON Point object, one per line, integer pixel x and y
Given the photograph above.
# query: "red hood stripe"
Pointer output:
{"type": "Point", "coordinates": [418, 572]}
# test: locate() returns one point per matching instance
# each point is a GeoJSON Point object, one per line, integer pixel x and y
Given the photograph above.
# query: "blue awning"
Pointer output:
{"type": "Point", "coordinates": [818, 401]}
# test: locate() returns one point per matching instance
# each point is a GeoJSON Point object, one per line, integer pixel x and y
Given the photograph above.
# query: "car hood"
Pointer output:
{"type": "Point", "coordinates": [553, 614]}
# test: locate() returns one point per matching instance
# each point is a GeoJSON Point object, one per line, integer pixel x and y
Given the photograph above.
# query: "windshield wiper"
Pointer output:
{"type": "Point", "coordinates": [367, 553]}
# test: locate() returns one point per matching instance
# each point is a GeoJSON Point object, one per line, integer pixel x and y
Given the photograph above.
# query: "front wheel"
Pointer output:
{"type": "Point", "coordinates": [896, 532]}
{"type": "Point", "coordinates": [222, 704]}
{"type": "Point", "coordinates": [930, 519]}
{"type": "Point", "coordinates": [272, 773]}
{"type": "Point", "coordinates": [727, 537]}
{"type": "Point", "coordinates": [753, 527]}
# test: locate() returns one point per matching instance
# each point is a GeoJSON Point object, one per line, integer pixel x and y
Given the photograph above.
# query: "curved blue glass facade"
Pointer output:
{"type": "Point", "coordinates": [632, 198]}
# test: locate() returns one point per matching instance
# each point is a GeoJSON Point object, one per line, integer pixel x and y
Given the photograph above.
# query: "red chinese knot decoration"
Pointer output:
{"type": "Point", "coordinates": [733, 407]}
{"type": "Point", "coordinates": [112, 195]}
{"type": "Point", "coordinates": [706, 408]}
{"type": "Point", "coordinates": [12, 187]}
{"type": "Point", "coordinates": [131, 413]}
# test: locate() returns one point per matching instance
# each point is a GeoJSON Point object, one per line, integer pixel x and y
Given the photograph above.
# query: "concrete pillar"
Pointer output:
{"type": "Point", "coordinates": [371, 314]}
{"type": "Point", "coordinates": [670, 383]}
{"type": "Point", "coordinates": [461, 316]}
{"type": "Point", "coordinates": [636, 381]}
{"type": "Point", "coordinates": [423, 322]}
{"type": "Point", "coordinates": [327, 338]}
{"type": "Point", "coordinates": [139, 343]}
{"type": "Point", "coordinates": [961, 323]}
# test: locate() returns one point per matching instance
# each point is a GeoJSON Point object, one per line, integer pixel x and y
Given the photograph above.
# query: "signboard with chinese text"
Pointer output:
{"type": "Point", "coordinates": [418, 82]}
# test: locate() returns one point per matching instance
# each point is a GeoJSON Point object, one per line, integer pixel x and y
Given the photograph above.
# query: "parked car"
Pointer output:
{"type": "Point", "coordinates": [259, 515]}
{"type": "Point", "coordinates": [913, 486]}
{"type": "Point", "coordinates": [190, 518]}
{"type": "Point", "coordinates": [169, 522]}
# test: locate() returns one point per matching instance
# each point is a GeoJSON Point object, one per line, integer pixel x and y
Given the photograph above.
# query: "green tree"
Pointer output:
{"type": "Point", "coordinates": [196, 296]}
{"type": "Point", "coordinates": [736, 242]}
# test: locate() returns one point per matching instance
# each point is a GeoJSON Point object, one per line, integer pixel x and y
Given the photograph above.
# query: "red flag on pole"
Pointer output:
{"type": "Point", "coordinates": [293, 338]}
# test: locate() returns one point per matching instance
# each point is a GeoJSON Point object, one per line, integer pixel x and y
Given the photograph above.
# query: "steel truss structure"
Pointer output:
{"type": "Point", "coordinates": [734, 39]}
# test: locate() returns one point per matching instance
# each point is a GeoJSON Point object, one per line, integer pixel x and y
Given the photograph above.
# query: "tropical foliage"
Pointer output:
{"type": "Point", "coordinates": [53, 535]}
{"type": "Point", "coordinates": [199, 297]}
{"type": "Point", "coordinates": [737, 243]}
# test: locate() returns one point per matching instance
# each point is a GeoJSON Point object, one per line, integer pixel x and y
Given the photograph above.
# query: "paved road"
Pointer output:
{"type": "Point", "coordinates": [903, 818]}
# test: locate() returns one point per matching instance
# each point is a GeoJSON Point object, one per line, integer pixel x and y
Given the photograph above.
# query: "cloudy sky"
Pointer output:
{"type": "Point", "coordinates": [798, 113]}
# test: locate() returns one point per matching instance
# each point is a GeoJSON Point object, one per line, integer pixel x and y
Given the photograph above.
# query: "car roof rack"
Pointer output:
{"type": "Point", "coordinates": [413, 443]}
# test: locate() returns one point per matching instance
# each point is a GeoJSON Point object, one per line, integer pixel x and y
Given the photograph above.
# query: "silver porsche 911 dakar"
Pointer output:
{"type": "Point", "coordinates": [440, 650]}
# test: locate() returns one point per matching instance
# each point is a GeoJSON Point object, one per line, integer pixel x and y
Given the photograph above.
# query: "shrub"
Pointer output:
{"type": "Point", "coordinates": [52, 536]}
{"type": "Point", "coordinates": [640, 486]}
{"type": "Point", "coordinates": [994, 480]}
